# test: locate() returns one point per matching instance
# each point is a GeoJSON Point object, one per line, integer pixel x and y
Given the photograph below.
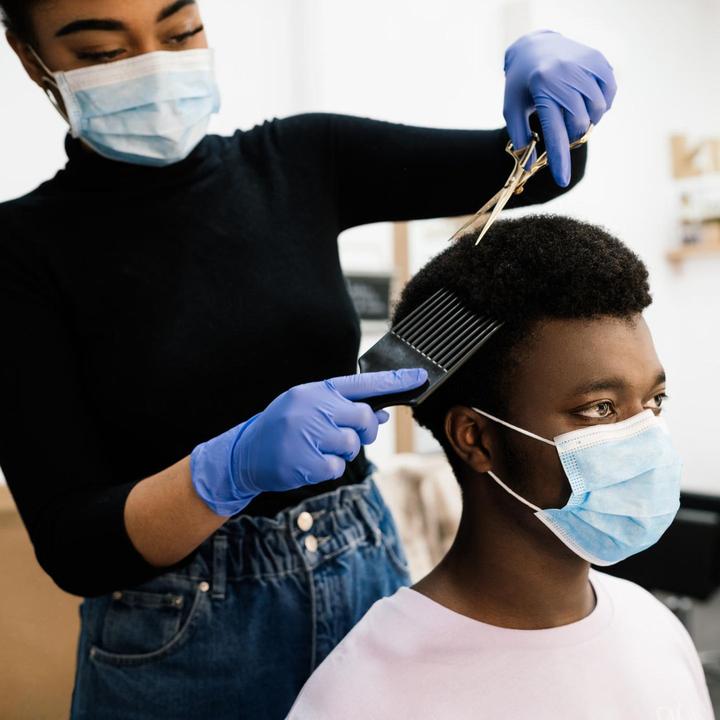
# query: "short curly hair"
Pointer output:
{"type": "Point", "coordinates": [524, 271]}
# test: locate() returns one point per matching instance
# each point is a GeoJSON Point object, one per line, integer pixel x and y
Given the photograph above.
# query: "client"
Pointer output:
{"type": "Point", "coordinates": [555, 434]}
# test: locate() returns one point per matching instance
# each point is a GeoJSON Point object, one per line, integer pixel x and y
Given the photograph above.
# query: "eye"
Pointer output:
{"type": "Point", "coordinates": [599, 410]}
{"type": "Point", "coordinates": [657, 403]}
{"type": "Point", "coordinates": [184, 37]}
{"type": "Point", "coordinates": [103, 56]}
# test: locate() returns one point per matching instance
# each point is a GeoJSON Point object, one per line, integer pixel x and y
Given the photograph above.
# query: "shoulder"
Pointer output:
{"type": "Point", "coordinates": [16, 216]}
{"type": "Point", "coordinates": [309, 130]}
{"type": "Point", "coordinates": [634, 605]}
{"type": "Point", "coordinates": [642, 621]}
{"type": "Point", "coordinates": [277, 131]}
{"type": "Point", "coordinates": [26, 233]}
{"type": "Point", "coordinates": [625, 593]}
{"type": "Point", "coordinates": [365, 658]}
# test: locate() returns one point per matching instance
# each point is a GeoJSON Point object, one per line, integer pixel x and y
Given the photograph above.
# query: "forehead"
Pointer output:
{"type": "Point", "coordinates": [63, 11]}
{"type": "Point", "coordinates": [563, 355]}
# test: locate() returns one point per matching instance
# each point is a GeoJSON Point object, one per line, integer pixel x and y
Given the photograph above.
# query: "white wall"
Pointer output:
{"type": "Point", "coordinates": [440, 63]}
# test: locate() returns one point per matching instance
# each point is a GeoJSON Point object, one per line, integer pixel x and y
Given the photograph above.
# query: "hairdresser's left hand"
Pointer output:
{"type": "Point", "coordinates": [569, 85]}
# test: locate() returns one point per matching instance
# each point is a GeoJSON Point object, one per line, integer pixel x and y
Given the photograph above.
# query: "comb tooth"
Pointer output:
{"type": "Point", "coordinates": [479, 342]}
{"type": "Point", "coordinates": [429, 313]}
{"type": "Point", "coordinates": [430, 321]}
{"type": "Point", "coordinates": [480, 337]}
{"type": "Point", "coordinates": [477, 337]}
{"type": "Point", "coordinates": [427, 332]}
{"type": "Point", "coordinates": [437, 324]}
{"type": "Point", "coordinates": [467, 325]}
{"type": "Point", "coordinates": [407, 320]}
{"type": "Point", "coordinates": [461, 342]}
{"type": "Point", "coordinates": [460, 325]}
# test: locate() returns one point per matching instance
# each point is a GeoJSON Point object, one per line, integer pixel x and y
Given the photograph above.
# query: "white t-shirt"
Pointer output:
{"type": "Point", "coordinates": [410, 657]}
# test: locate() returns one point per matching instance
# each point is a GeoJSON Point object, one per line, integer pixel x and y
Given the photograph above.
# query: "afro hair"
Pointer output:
{"type": "Point", "coordinates": [524, 271]}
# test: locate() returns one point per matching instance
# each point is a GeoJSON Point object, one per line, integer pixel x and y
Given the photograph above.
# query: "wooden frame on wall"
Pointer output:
{"type": "Point", "coordinates": [404, 428]}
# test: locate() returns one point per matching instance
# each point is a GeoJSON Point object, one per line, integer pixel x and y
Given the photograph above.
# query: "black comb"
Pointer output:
{"type": "Point", "coordinates": [440, 335]}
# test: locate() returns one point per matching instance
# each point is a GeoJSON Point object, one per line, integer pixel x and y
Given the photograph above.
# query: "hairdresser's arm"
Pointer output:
{"type": "Point", "coordinates": [95, 528]}
{"type": "Point", "coordinates": [304, 436]}
{"type": "Point", "coordinates": [389, 172]}
{"type": "Point", "coordinates": [392, 172]}
{"type": "Point", "coordinates": [166, 519]}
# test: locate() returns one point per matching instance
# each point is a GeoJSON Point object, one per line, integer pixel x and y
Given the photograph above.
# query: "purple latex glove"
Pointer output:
{"type": "Point", "coordinates": [304, 436]}
{"type": "Point", "coordinates": [569, 85]}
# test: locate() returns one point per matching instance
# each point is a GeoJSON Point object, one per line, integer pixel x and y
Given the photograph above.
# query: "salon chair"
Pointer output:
{"type": "Point", "coordinates": [684, 567]}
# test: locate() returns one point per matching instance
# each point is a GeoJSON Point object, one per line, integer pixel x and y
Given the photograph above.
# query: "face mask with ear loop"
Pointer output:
{"type": "Point", "coordinates": [625, 487]}
{"type": "Point", "coordinates": [151, 109]}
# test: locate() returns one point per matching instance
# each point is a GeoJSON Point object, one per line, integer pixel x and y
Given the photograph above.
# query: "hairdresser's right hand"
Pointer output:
{"type": "Point", "coordinates": [305, 436]}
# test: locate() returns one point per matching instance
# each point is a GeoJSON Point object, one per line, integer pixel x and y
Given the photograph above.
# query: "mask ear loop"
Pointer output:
{"type": "Point", "coordinates": [524, 432]}
{"type": "Point", "coordinates": [514, 427]}
{"type": "Point", "coordinates": [512, 492]}
{"type": "Point", "coordinates": [48, 83]}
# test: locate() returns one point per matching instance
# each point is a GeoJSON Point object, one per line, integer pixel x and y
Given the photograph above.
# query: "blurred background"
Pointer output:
{"type": "Point", "coordinates": [653, 179]}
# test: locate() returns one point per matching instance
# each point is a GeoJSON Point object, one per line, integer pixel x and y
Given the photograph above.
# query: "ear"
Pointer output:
{"type": "Point", "coordinates": [28, 60]}
{"type": "Point", "coordinates": [472, 438]}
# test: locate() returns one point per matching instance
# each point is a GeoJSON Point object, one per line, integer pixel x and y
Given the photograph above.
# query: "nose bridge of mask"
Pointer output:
{"type": "Point", "coordinates": [605, 433]}
{"type": "Point", "coordinates": [161, 62]}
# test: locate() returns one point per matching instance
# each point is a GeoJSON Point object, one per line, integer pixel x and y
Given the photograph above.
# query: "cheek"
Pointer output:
{"type": "Point", "coordinates": [535, 471]}
{"type": "Point", "coordinates": [201, 41]}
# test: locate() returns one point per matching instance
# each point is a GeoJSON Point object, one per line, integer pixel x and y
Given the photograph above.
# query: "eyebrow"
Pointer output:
{"type": "Point", "coordinates": [91, 24]}
{"type": "Point", "coordinates": [611, 383]}
{"type": "Point", "coordinates": [110, 25]}
{"type": "Point", "coordinates": [177, 6]}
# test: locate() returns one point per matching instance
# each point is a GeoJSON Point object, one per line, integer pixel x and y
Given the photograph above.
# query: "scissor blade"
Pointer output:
{"type": "Point", "coordinates": [478, 217]}
{"type": "Point", "coordinates": [499, 207]}
{"type": "Point", "coordinates": [476, 221]}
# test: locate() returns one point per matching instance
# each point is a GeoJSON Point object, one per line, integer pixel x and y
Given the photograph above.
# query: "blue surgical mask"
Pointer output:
{"type": "Point", "coordinates": [151, 109]}
{"type": "Point", "coordinates": [625, 487]}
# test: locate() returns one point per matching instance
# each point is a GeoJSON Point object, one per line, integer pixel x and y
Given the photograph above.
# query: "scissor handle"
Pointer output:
{"type": "Point", "coordinates": [542, 160]}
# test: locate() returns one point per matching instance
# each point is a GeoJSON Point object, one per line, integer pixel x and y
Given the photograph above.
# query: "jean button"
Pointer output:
{"type": "Point", "coordinates": [204, 586]}
{"type": "Point", "coordinates": [305, 521]}
{"type": "Point", "coordinates": [311, 543]}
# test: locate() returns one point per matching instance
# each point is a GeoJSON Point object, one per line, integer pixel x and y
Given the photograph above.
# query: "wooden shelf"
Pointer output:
{"type": "Point", "coordinates": [688, 252]}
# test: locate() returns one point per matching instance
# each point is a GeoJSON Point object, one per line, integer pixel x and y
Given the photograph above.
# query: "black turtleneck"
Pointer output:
{"type": "Point", "coordinates": [146, 310]}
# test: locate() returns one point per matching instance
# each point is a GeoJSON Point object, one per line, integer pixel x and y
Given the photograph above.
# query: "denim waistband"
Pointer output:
{"type": "Point", "coordinates": [298, 539]}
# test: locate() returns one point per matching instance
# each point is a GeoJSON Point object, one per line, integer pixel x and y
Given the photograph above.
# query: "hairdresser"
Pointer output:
{"type": "Point", "coordinates": [180, 424]}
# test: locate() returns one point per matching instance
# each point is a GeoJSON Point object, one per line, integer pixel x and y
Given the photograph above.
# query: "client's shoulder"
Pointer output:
{"type": "Point", "coordinates": [365, 658]}
{"type": "Point", "coordinates": [630, 601]}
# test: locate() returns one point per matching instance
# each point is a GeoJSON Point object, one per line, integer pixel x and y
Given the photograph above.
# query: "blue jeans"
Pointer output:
{"type": "Point", "coordinates": [237, 632]}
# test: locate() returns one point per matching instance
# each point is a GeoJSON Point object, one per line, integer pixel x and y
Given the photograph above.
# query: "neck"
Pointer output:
{"type": "Point", "coordinates": [499, 573]}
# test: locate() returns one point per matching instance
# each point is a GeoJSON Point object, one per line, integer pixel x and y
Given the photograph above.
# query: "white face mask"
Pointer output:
{"type": "Point", "coordinates": [152, 109]}
{"type": "Point", "coordinates": [625, 483]}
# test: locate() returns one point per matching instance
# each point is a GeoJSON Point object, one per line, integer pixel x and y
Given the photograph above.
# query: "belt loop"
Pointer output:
{"type": "Point", "coordinates": [219, 570]}
{"type": "Point", "coordinates": [361, 504]}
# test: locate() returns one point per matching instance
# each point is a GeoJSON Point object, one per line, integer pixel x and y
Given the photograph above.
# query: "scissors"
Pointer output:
{"type": "Point", "coordinates": [514, 185]}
